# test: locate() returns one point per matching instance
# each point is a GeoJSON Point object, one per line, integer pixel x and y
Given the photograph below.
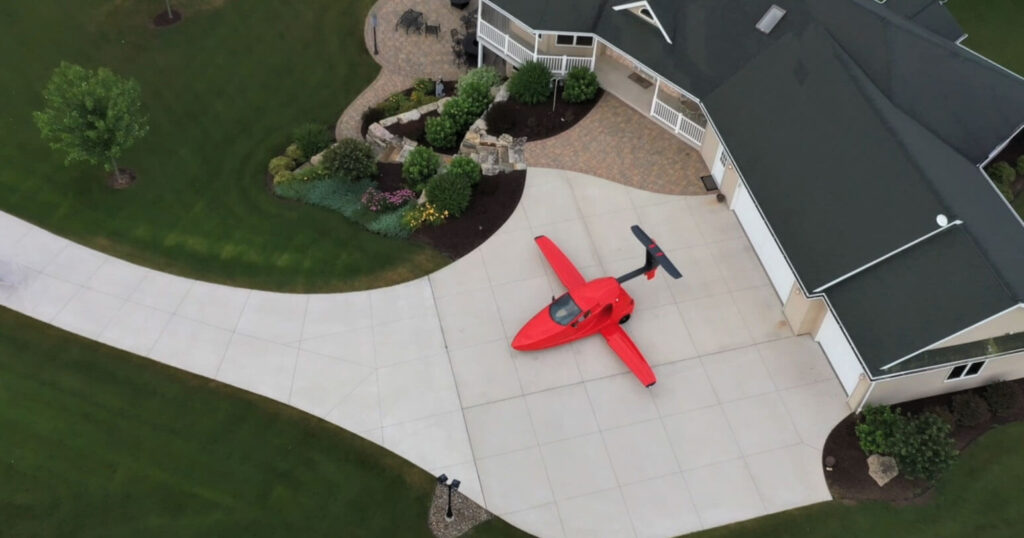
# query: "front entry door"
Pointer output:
{"type": "Point", "coordinates": [718, 167]}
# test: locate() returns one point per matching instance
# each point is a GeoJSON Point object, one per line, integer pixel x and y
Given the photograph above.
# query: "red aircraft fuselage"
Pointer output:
{"type": "Point", "coordinates": [578, 313]}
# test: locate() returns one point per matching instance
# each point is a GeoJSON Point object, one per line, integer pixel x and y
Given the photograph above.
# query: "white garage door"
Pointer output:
{"type": "Point", "coordinates": [840, 354]}
{"type": "Point", "coordinates": [764, 244]}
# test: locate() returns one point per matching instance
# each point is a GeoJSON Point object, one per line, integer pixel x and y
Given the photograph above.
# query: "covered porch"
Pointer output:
{"type": "Point", "coordinates": [645, 91]}
{"type": "Point", "coordinates": [518, 44]}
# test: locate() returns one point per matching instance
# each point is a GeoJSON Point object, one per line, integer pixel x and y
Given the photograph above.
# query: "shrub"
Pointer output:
{"type": "Point", "coordinates": [877, 429]}
{"type": "Point", "coordinates": [424, 86]}
{"type": "Point", "coordinates": [311, 173]}
{"type": "Point", "coordinates": [1002, 173]}
{"type": "Point", "coordinates": [312, 138]}
{"type": "Point", "coordinates": [382, 202]}
{"type": "Point", "coordinates": [390, 224]}
{"type": "Point", "coordinates": [970, 409]}
{"type": "Point", "coordinates": [580, 85]}
{"type": "Point", "coordinates": [476, 96]}
{"type": "Point", "coordinates": [460, 112]}
{"type": "Point", "coordinates": [945, 414]}
{"type": "Point", "coordinates": [416, 217]}
{"type": "Point", "coordinates": [923, 446]}
{"type": "Point", "coordinates": [280, 164]}
{"type": "Point", "coordinates": [283, 176]}
{"type": "Point", "coordinates": [449, 193]}
{"type": "Point", "coordinates": [531, 84]}
{"type": "Point", "coordinates": [465, 168]}
{"type": "Point", "coordinates": [486, 75]}
{"type": "Point", "coordinates": [501, 118]}
{"type": "Point", "coordinates": [294, 152]}
{"type": "Point", "coordinates": [1020, 166]}
{"type": "Point", "coordinates": [395, 104]}
{"type": "Point", "coordinates": [1003, 397]}
{"type": "Point", "coordinates": [351, 158]}
{"type": "Point", "coordinates": [420, 165]}
{"type": "Point", "coordinates": [441, 133]}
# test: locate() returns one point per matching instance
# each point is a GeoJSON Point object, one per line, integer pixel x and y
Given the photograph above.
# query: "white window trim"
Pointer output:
{"type": "Point", "coordinates": [575, 38]}
{"type": "Point", "coordinates": [965, 375]}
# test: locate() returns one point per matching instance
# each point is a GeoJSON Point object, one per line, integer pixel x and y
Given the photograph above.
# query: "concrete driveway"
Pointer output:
{"type": "Point", "coordinates": [562, 442]}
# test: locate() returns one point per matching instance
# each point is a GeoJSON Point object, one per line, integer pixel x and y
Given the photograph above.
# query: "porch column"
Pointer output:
{"type": "Point", "coordinates": [479, 43]}
{"type": "Point", "coordinates": [654, 98]}
{"type": "Point", "coordinates": [536, 45]}
{"type": "Point", "coordinates": [593, 57]}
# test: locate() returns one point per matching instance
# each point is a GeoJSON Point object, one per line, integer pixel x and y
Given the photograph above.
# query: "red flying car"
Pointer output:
{"type": "Point", "coordinates": [598, 306]}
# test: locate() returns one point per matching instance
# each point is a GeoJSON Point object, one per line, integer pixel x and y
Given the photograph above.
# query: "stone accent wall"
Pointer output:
{"type": "Point", "coordinates": [394, 148]}
{"type": "Point", "coordinates": [495, 154]}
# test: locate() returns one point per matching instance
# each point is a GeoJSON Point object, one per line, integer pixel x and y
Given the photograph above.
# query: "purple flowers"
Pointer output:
{"type": "Point", "coordinates": [379, 202]}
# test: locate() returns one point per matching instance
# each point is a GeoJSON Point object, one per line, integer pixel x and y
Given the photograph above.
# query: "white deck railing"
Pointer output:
{"type": "Point", "coordinates": [680, 124]}
{"type": "Point", "coordinates": [559, 65]}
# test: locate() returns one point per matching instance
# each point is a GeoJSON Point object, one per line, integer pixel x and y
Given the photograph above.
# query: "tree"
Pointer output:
{"type": "Point", "coordinates": [94, 116]}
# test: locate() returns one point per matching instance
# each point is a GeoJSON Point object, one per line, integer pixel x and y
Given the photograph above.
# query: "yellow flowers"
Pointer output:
{"type": "Point", "coordinates": [424, 214]}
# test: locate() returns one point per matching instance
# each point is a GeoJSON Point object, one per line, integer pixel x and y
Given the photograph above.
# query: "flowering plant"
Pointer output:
{"type": "Point", "coordinates": [416, 217]}
{"type": "Point", "coordinates": [379, 202]}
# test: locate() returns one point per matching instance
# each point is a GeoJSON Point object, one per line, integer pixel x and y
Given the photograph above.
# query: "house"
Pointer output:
{"type": "Point", "coordinates": [849, 138]}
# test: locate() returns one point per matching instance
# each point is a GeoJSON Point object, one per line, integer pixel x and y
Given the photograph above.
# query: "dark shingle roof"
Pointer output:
{"type": "Point", "coordinates": [854, 125]}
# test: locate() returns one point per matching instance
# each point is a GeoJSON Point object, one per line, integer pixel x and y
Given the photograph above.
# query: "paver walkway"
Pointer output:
{"type": "Point", "coordinates": [561, 442]}
{"type": "Point", "coordinates": [616, 142]}
{"type": "Point", "coordinates": [403, 57]}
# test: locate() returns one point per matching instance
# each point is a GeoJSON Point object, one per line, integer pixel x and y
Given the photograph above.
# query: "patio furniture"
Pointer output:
{"type": "Point", "coordinates": [456, 37]}
{"type": "Point", "coordinates": [470, 45]}
{"type": "Point", "coordinates": [410, 19]}
{"type": "Point", "coordinates": [434, 29]}
{"type": "Point", "coordinates": [460, 4]}
{"type": "Point", "coordinates": [469, 20]}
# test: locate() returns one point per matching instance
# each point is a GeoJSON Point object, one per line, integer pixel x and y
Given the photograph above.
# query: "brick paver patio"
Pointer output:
{"type": "Point", "coordinates": [404, 57]}
{"type": "Point", "coordinates": [618, 143]}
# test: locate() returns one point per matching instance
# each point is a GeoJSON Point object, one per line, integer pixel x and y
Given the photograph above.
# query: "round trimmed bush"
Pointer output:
{"type": "Point", "coordinates": [283, 176]}
{"type": "Point", "coordinates": [441, 133]}
{"type": "Point", "coordinates": [486, 75]}
{"type": "Point", "coordinates": [420, 165]}
{"type": "Point", "coordinates": [580, 85]}
{"type": "Point", "coordinates": [351, 158]}
{"type": "Point", "coordinates": [294, 152]}
{"type": "Point", "coordinates": [531, 84]}
{"type": "Point", "coordinates": [449, 192]}
{"type": "Point", "coordinates": [466, 168]}
{"type": "Point", "coordinates": [970, 409]}
{"type": "Point", "coordinates": [280, 164]}
{"type": "Point", "coordinates": [477, 96]}
{"type": "Point", "coordinates": [312, 138]}
{"type": "Point", "coordinates": [461, 112]}
{"type": "Point", "coordinates": [1004, 398]}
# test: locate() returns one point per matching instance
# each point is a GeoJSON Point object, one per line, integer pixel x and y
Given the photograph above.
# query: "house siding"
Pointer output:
{"type": "Point", "coordinates": [1006, 323]}
{"type": "Point", "coordinates": [933, 382]}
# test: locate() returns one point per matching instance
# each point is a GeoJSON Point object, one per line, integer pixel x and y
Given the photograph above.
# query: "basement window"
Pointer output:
{"type": "Point", "coordinates": [964, 371]}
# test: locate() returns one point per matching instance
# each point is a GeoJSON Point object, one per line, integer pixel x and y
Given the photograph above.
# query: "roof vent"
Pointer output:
{"type": "Point", "coordinates": [770, 19]}
{"type": "Point", "coordinates": [941, 220]}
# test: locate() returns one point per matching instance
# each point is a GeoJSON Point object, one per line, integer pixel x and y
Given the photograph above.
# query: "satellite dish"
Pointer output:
{"type": "Point", "coordinates": [942, 220]}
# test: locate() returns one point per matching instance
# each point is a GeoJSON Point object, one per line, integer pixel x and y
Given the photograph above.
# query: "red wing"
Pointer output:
{"type": "Point", "coordinates": [564, 268]}
{"type": "Point", "coordinates": [624, 347]}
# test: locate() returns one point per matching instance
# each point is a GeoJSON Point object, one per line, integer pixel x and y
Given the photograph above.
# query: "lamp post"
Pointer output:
{"type": "Point", "coordinates": [442, 480]}
{"type": "Point", "coordinates": [373, 22]}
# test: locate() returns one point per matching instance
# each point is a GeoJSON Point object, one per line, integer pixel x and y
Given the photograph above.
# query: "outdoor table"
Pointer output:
{"type": "Point", "coordinates": [410, 19]}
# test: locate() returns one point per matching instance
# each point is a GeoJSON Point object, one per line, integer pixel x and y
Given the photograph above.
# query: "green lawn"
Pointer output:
{"type": "Point", "coordinates": [98, 442]}
{"type": "Point", "coordinates": [993, 29]}
{"type": "Point", "coordinates": [223, 90]}
{"type": "Point", "coordinates": [979, 498]}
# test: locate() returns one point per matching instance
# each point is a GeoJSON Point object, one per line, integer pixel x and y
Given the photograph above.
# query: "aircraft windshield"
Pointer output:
{"type": "Point", "coordinates": [564, 310]}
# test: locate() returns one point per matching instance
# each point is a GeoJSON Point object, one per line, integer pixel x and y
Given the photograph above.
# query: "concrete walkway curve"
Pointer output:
{"type": "Point", "coordinates": [559, 443]}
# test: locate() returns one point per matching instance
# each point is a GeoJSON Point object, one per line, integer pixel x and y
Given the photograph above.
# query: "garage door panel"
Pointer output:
{"type": "Point", "coordinates": [764, 243]}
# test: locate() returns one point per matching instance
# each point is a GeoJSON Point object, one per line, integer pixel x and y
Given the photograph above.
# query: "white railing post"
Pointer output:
{"type": "Point", "coordinates": [565, 62]}
{"type": "Point", "coordinates": [654, 99]}
{"type": "Point", "coordinates": [593, 57]}
{"type": "Point", "coordinates": [536, 45]}
{"type": "Point", "coordinates": [679, 121]}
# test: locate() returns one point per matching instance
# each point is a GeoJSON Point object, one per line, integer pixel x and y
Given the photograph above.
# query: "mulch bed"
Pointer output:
{"type": "Point", "coordinates": [494, 200]}
{"type": "Point", "coordinates": [128, 179]}
{"type": "Point", "coordinates": [449, 90]}
{"type": "Point", "coordinates": [849, 479]}
{"type": "Point", "coordinates": [162, 19]}
{"type": "Point", "coordinates": [537, 122]}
